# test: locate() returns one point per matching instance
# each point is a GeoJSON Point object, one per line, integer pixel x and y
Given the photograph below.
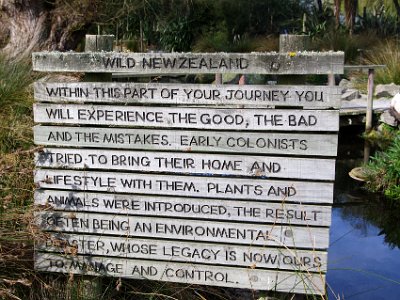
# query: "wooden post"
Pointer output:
{"type": "Point", "coordinates": [97, 43]}
{"type": "Point", "coordinates": [331, 80]}
{"type": "Point", "coordinates": [368, 121]}
{"type": "Point", "coordinates": [218, 78]}
{"type": "Point", "coordinates": [90, 287]}
{"type": "Point", "coordinates": [293, 43]}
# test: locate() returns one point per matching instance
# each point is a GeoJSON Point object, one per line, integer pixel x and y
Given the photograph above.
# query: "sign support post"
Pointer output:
{"type": "Point", "coordinates": [90, 287]}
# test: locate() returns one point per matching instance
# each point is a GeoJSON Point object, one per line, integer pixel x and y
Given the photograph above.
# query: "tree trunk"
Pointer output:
{"type": "Point", "coordinates": [338, 3]}
{"type": "Point", "coordinates": [397, 6]}
{"type": "Point", "coordinates": [32, 25]}
{"type": "Point", "coordinates": [25, 24]}
{"type": "Point", "coordinates": [350, 7]}
{"type": "Point", "coordinates": [319, 6]}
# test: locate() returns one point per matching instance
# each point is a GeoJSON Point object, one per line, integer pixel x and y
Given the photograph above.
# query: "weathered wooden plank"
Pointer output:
{"type": "Point", "coordinates": [189, 252]}
{"type": "Point", "coordinates": [187, 163]}
{"type": "Point", "coordinates": [294, 282]}
{"type": "Point", "coordinates": [192, 186]}
{"type": "Point", "coordinates": [197, 208]}
{"type": "Point", "coordinates": [310, 97]}
{"type": "Point", "coordinates": [182, 229]}
{"type": "Point", "coordinates": [193, 118]}
{"type": "Point", "coordinates": [190, 63]}
{"type": "Point", "coordinates": [190, 141]}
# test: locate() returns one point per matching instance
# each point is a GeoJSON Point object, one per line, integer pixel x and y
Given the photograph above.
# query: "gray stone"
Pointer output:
{"type": "Point", "coordinates": [386, 90]}
{"type": "Point", "coordinates": [350, 94]}
{"type": "Point", "coordinates": [387, 118]}
{"type": "Point", "coordinates": [345, 85]}
{"type": "Point", "coordinates": [395, 103]}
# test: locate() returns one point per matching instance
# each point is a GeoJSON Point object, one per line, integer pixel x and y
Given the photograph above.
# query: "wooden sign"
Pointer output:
{"type": "Point", "coordinates": [184, 207]}
{"type": "Point", "coordinates": [276, 235]}
{"type": "Point", "coordinates": [221, 185]}
{"type": "Point", "coordinates": [196, 118]}
{"type": "Point", "coordinates": [310, 97]}
{"type": "Point", "coordinates": [190, 186]}
{"type": "Point", "coordinates": [190, 63]}
{"type": "Point", "coordinates": [183, 272]}
{"type": "Point", "coordinates": [190, 141]}
{"type": "Point", "coordinates": [192, 252]}
{"type": "Point", "coordinates": [187, 163]}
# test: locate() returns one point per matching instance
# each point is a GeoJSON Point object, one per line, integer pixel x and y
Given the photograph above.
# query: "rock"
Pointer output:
{"type": "Point", "coordinates": [358, 174]}
{"type": "Point", "coordinates": [350, 94]}
{"type": "Point", "coordinates": [363, 97]}
{"type": "Point", "coordinates": [395, 103]}
{"type": "Point", "coordinates": [388, 119]}
{"type": "Point", "coordinates": [386, 90]}
{"type": "Point", "coordinates": [345, 85]}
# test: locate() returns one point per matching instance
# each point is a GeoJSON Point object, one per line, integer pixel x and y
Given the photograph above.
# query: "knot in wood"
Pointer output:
{"type": "Point", "coordinates": [275, 66]}
{"type": "Point", "coordinates": [288, 233]}
{"type": "Point", "coordinates": [253, 278]}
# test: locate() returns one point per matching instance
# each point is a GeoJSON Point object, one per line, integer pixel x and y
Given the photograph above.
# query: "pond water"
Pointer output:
{"type": "Point", "coordinates": [364, 254]}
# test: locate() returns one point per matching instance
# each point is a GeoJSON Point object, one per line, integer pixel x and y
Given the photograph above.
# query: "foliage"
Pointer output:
{"type": "Point", "coordinates": [16, 184]}
{"type": "Point", "coordinates": [172, 25]}
{"type": "Point", "coordinates": [383, 171]}
{"type": "Point", "coordinates": [219, 41]}
{"type": "Point", "coordinates": [382, 21]}
{"type": "Point", "coordinates": [14, 79]}
{"type": "Point", "coordinates": [318, 23]}
{"type": "Point", "coordinates": [352, 45]}
{"type": "Point", "coordinates": [382, 137]}
{"type": "Point", "coordinates": [386, 53]}
{"type": "Point", "coordinates": [176, 35]}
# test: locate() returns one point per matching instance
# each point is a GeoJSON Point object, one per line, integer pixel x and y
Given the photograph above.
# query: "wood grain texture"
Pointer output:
{"type": "Point", "coordinates": [309, 144]}
{"type": "Point", "coordinates": [182, 229]}
{"type": "Point", "coordinates": [188, 252]}
{"type": "Point", "coordinates": [187, 163]}
{"type": "Point", "coordinates": [190, 63]}
{"type": "Point", "coordinates": [193, 186]}
{"type": "Point", "coordinates": [183, 273]}
{"type": "Point", "coordinates": [188, 118]}
{"type": "Point", "coordinates": [183, 207]}
{"type": "Point", "coordinates": [311, 97]}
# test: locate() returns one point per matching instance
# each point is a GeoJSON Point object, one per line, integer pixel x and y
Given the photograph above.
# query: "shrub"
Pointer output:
{"type": "Point", "coordinates": [351, 45]}
{"type": "Point", "coordinates": [15, 77]}
{"type": "Point", "coordinates": [383, 171]}
{"type": "Point", "coordinates": [219, 41]}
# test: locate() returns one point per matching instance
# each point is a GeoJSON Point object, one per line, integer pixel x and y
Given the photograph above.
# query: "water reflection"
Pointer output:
{"type": "Point", "coordinates": [364, 253]}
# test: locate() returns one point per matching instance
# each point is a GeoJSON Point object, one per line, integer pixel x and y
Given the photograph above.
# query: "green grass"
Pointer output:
{"type": "Point", "coordinates": [16, 182]}
{"type": "Point", "coordinates": [353, 46]}
{"type": "Point", "coordinates": [383, 171]}
{"type": "Point", "coordinates": [386, 53]}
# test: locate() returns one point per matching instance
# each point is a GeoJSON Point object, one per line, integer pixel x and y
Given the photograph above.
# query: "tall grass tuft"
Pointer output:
{"type": "Point", "coordinates": [16, 184]}
{"type": "Point", "coordinates": [15, 78]}
{"type": "Point", "coordinates": [354, 46]}
{"type": "Point", "coordinates": [386, 53]}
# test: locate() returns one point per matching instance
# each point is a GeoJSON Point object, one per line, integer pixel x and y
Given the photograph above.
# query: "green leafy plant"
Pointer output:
{"type": "Point", "coordinates": [383, 171]}
{"type": "Point", "coordinates": [176, 35]}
